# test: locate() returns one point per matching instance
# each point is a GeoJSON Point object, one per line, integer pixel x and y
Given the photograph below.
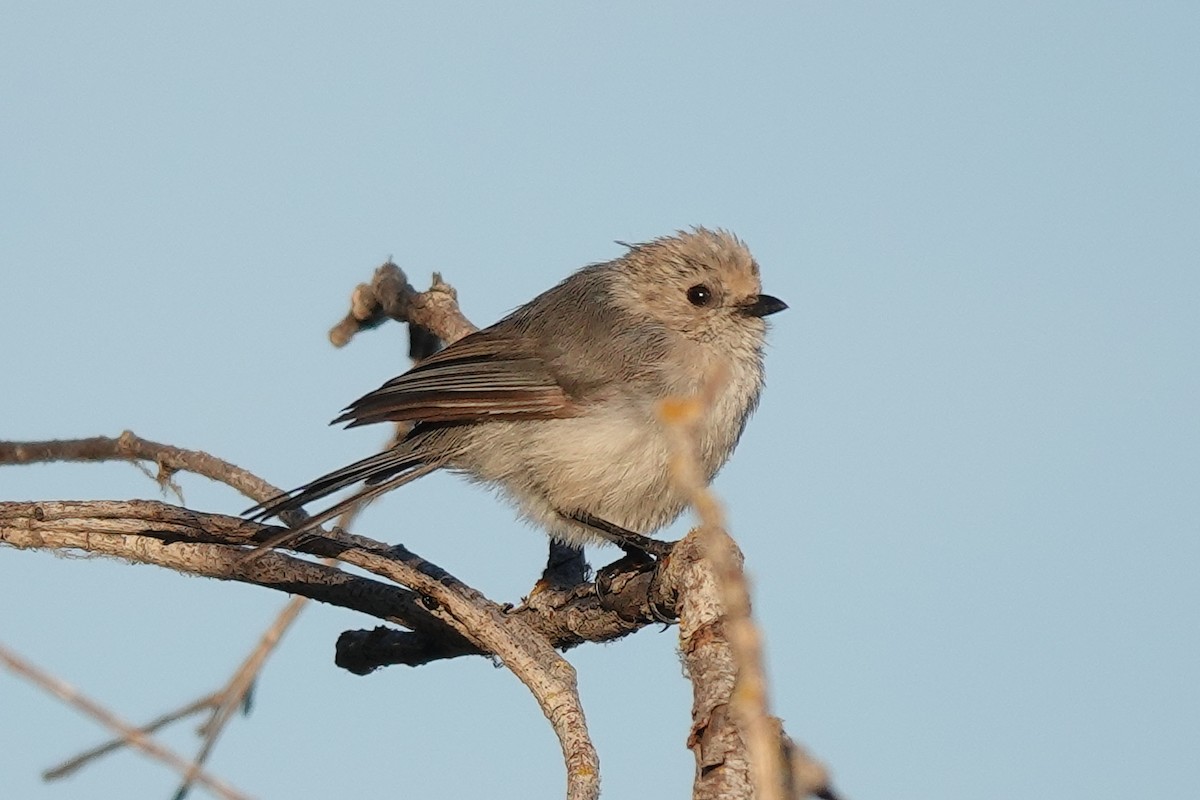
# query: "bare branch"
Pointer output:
{"type": "Point", "coordinates": [131, 447]}
{"type": "Point", "coordinates": [169, 461]}
{"type": "Point", "coordinates": [237, 690]}
{"type": "Point", "coordinates": [390, 296]}
{"type": "Point", "coordinates": [69, 766]}
{"type": "Point", "coordinates": [152, 532]}
{"type": "Point", "coordinates": [158, 533]}
{"type": "Point", "coordinates": [134, 736]}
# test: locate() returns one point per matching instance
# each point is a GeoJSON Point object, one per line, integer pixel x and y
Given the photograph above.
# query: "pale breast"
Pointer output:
{"type": "Point", "coordinates": [612, 461]}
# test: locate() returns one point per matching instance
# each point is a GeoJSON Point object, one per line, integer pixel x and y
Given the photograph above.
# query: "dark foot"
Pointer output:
{"type": "Point", "coordinates": [626, 568]}
{"type": "Point", "coordinates": [636, 566]}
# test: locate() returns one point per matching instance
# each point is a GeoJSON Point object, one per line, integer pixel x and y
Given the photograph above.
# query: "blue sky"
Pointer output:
{"type": "Point", "coordinates": [968, 502]}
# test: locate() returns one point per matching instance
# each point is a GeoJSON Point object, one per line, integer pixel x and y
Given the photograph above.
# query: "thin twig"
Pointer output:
{"type": "Point", "coordinates": [235, 693]}
{"type": "Point", "coordinates": [131, 447]}
{"type": "Point", "coordinates": [74, 763]}
{"type": "Point", "coordinates": [134, 736]}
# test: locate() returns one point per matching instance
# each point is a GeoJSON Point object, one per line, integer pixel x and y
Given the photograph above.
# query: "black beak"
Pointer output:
{"type": "Point", "coordinates": [763, 305]}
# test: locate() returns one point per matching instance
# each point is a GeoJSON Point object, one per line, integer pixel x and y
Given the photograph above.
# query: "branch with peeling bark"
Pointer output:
{"type": "Point", "coordinates": [741, 751]}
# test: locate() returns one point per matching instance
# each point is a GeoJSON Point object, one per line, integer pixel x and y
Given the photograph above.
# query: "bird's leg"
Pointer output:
{"type": "Point", "coordinates": [566, 565]}
{"type": "Point", "coordinates": [633, 544]}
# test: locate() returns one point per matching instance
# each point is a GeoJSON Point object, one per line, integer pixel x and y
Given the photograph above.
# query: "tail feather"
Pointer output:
{"type": "Point", "coordinates": [366, 495]}
{"type": "Point", "coordinates": [386, 468]}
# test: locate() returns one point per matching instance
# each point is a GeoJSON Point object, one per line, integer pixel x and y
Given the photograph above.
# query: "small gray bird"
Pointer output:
{"type": "Point", "coordinates": [556, 404]}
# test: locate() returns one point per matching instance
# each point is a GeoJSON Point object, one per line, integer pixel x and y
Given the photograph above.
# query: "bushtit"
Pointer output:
{"type": "Point", "coordinates": [555, 404]}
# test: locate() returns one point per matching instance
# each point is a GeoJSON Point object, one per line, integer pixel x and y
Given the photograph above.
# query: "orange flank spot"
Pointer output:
{"type": "Point", "coordinates": [679, 410]}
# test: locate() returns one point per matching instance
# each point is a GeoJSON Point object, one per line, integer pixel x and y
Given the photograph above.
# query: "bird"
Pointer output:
{"type": "Point", "coordinates": [555, 405]}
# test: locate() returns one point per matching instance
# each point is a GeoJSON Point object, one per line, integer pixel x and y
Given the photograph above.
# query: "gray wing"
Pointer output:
{"type": "Point", "coordinates": [493, 374]}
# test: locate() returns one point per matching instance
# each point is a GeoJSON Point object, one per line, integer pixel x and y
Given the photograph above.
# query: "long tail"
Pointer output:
{"type": "Point", "coordinates": [381, 473]}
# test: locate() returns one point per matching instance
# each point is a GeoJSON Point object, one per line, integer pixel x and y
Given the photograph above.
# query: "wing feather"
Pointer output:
{"type": "Point", "coordinates": [485, 376]}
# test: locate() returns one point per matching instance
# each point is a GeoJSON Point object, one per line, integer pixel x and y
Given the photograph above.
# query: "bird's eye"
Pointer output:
{"type": "Point", "coordinates": [699, 295]}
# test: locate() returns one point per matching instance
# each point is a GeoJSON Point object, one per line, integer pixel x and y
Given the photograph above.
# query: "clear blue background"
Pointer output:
{"type": "Point", "coordinates": [969, 501]}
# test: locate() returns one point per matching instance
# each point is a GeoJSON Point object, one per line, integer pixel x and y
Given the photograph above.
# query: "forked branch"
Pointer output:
{"type": "Point", "coordinates": [445, 618]}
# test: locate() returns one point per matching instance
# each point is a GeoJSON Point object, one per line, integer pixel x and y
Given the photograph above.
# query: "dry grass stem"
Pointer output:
{"type": "Point", "coordinates": [749, 697]}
